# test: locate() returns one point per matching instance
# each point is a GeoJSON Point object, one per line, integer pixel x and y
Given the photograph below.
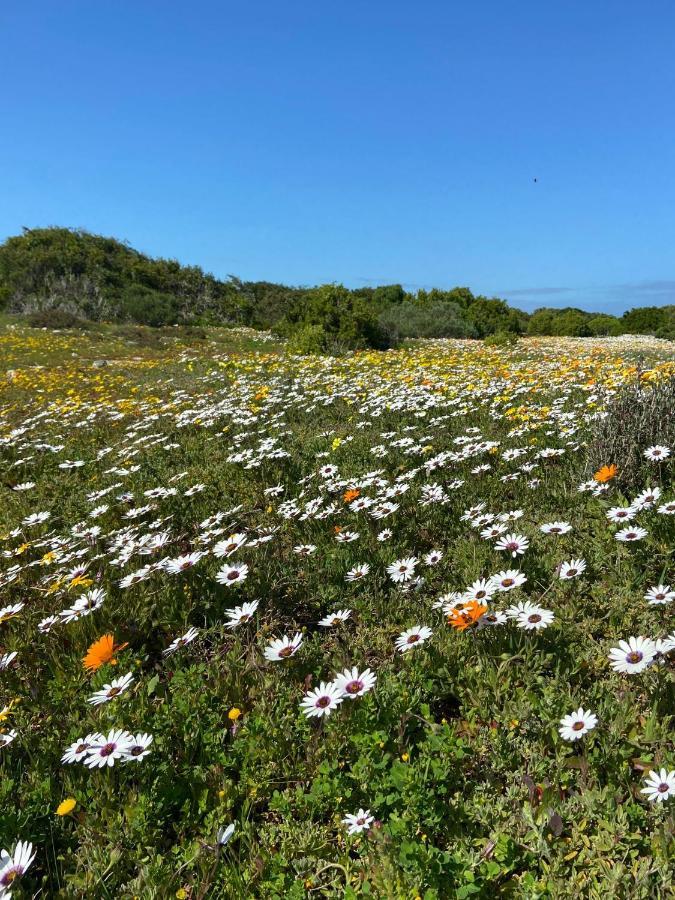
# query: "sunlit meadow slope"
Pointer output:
{"type": "Point", "coordinates": [281, 626]}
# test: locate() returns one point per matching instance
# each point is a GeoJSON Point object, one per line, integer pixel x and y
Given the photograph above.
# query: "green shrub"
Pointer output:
{"type": "Point", "coordinates": [308, 340]}
{"type": "Point", "coordinates": [501, 339]}
{"type": "Point", "coordinates": [437, 320]}
{"type": "Point", "coordinates": [640, 415]}
{"type": "Point", "coordinates": [55, 318]}
{"type": "Point", "coordinates": [490, 315]}
{"type": "Point", "coordinates": [335, 318]}
{"type": "Point", "coordinates": [148, 307]}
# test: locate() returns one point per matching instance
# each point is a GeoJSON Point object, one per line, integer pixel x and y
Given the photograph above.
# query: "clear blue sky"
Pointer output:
{"type": "Point", "coordinates": [363, 142]}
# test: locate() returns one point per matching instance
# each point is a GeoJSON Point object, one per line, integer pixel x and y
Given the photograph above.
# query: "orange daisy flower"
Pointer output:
{"type": "Point", "coordinates": [348, 496]}
{"type": "Point", "coordinates": [606, 473]}
{"type": "Point", "coordinates": [101, 652]}
{"type": "Point", "coordinates": [469, 614]}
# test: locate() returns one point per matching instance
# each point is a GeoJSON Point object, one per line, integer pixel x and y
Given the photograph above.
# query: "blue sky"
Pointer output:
{"type": "Point", "coordinates": [362, 142]}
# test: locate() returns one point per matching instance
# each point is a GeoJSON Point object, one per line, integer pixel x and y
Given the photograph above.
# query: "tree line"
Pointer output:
{"type": "Point", "coordinates": [59, 275]}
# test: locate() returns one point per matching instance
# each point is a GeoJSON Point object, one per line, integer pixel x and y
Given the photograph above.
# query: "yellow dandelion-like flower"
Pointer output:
{"type": "Point", "coordinates": [66, 806]}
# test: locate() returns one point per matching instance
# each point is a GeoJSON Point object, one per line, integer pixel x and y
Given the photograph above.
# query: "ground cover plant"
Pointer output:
{"type": "Point", "coordinates": [300, 626]}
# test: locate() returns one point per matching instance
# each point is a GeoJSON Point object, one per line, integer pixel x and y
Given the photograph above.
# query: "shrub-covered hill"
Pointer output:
{"type": "Point", "coordinates": [62, 275]}
{"type": "Point", "coordinates": [102, 278]}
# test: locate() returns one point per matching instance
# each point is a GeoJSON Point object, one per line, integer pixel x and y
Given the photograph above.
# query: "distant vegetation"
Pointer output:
{"type": "Point", "coordinates": [62, 277]}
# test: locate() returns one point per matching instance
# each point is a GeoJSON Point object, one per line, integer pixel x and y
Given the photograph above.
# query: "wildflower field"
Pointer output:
{"type": "Point", "coordinates": [378, 625]}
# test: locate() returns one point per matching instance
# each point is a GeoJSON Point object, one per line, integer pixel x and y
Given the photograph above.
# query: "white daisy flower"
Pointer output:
{"type": "Point", "coordinates": [109, 691]}
{"type": "Point", "coordinates": [433, 557]}
{"type": "Point", "coordinates": [632, 656]}
{"type": "Point", "coordinates": [529, 616]}
{"type": "Point", "coordinates": [647, 498]}
{"type": "Point", "coordinates": [233, 575]}
{"type": "Point", "coordinates": [413, 637]}
{"type": "Point", "coordinates": [283, 648]}
{"type": "Point", "coordinates": [659, 786]}
{"type": "Point", "coordinates": [179, 642]}
{"type": "Point", "coordinates": [183, 563]}
{"type": "Point", "coordinates": [577, 724]}
{"type": "Point", "coordinates": [13, 864]}
{"type": "Point", "coordinates": [230, 545]}
{"type": "Point", "coordinates": [138, 747]}
{"type": "Point", "coordinates": [556, 528]}
{"type": "Point", "coordinates": [105, 750]}
{"type": "Point", "coordinates": [321, 701]}
{"type": "Point", "coordinates": [659, 595]}
{"type": "Point", "coordinates": [508, 580]}
{"type": "Point", "coordinates": [629, 535]}
{"type": "Point", "coordinates": [621, 514]}
{"type": "Point", "coordinates": [515, 544]}
{"type": "Point", "coordinates": [335, 618]}
{"type": "Point", "coordinates": [358, 572]}
{"type": "Point", "coordinates": [352, 683]}
{"type": "Point", "coordinates": [402, 569]}
{"type": "Point", "coordinates": [657, 453]}
{"type": "Point", "coordinates": [358, 822]}
{"type": "Point", "coordinates": [481, 590]}
{"type": "Point", "coordinates": [241, 614]}
{"type": "Point", "coordinates": [572, 569]}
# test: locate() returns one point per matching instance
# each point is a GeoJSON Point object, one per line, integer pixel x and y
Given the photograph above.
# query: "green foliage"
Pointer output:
{"type": "Point", "coordinates": [265, 303]}
{"type": "Point", "coordinates": [640, 416]}
{"type": "Point", "coordinates": [603, 324]}
{"type": "Point", "coordinates": [571, 322]}
{"type": "Point", "coordinates": [103, 279]}
{"type": "Point", "coordinates": [307, 339]}
{"type": "Point", "coordinates": [147, 306]}
{"type": "Point", "coordinates": [490, 315]}
{"type": "Point", "coordinates": [336, 319]}
{"type": "Point", "coordinates": [501, 339]}
{"type": "Point", "coordinates": [461, 296]}
{"type": "Point", "coordinates": [647, 319]}
{"type": "Point", "coordinates": [433, 320]}
{"type": "Point", "coordinates": [55, 319]}
{"type": "Point", "coordinates": [91, 277]}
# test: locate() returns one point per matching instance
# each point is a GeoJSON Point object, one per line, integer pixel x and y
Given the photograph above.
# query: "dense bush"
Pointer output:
{"type": "Point", "coordinates": [332, 319]}
{"type": "Point", "coordinates": [148, 307]}
{"type": "Point", "coordinates": [101, 278]}
{"type": "Point", "coordinates": [436, 320]}
{"type": "Point", "coordinates": [55, 319]}
{"type": "Point", "coordinates": [641, 415]}
{"type": "Point", "coordinates": [647, 319]}
{"type": "Point", "coordinates": [490, 315]}
{"type": "Point", "coordinates": [501, 339]}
